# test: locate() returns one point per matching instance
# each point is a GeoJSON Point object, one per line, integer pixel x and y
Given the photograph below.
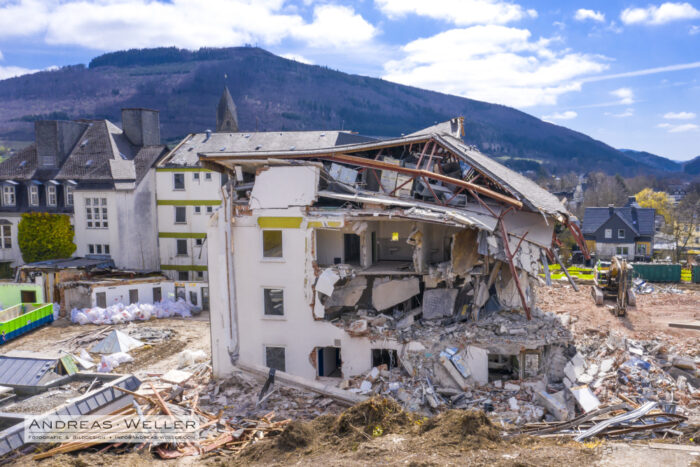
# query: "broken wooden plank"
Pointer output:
{"type": "Point", "coordinates": [687, 325]}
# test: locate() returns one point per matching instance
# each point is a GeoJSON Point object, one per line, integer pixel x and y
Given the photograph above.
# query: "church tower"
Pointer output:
{"type": "Point", "coordinates": [226, 116]}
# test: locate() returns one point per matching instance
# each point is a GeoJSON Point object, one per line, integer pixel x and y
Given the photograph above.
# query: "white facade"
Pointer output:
{"type": "Point", "coordinates": [186, 198]}
{"type": "Point", "coordinates": [239, 326]}
{"type": "Point", "coordinates": [9, 249]}
{"type": "Point", "coordinates": [130, 233]}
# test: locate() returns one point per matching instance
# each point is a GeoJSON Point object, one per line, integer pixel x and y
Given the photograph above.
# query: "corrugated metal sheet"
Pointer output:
{"type": "Point", "coordinates": [19, 371]}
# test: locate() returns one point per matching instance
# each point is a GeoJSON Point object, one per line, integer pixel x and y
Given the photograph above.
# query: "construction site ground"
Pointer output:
{"type": "Point", "coordinates": [376, 433]}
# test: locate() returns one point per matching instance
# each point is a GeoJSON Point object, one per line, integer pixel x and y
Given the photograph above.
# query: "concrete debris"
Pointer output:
{"type": "Point", "coordinates": [389, 293]}
{"type": "Point", "coordinates": [585, 398]}
{"type": "Point", "coordinates": [438, 303]}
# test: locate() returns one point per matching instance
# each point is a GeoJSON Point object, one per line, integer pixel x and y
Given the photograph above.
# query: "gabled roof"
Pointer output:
{"type": "Point", "coordinates": [640, 220]}
{"type": "Point", "coordinates": [102, 154]}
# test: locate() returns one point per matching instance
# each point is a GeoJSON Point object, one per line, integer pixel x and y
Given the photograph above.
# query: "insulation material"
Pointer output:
{"type": "Point", "coordinates": [285, 186]}
{"type": "Point", "coordinates": [388, 293]}
{"type": "Point", "coordinates": [464, 251]}
{"type": "Point", "coordinates": [439, 303]}
{"type": "Point", "coordinates": [343, 174]}
{"type": "Point", "coordinates": [116, 341]}
{"type": "Point", "coordinates": [405, 190]}
{"type": "Point", "coordinates": [389, 177]}
{"type": "Point", "coordinates": [349, 294]}
{"type": "Point", "coordinates": [120, 313]}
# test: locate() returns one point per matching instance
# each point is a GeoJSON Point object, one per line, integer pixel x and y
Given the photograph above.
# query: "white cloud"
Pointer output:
{"type": "Point", "coordinates": [120, 24]}
{"type": "Point", "coordinates": [626, 113]}
{"type": "Point", "coordinates": [694, 30]}
{"type": "Point", "coordinates": [493, 63]}
{"type": "Point", "coordinates": [678, 128]}
{"type": "Point", "coordinates": [662, 14]}
{"type": "Point", "coordinates": [459, 12]}
{"type": "Point", "coordinates": [297, 58]}
{"type": "Point", "coordinates": [647, 71]}
{"type": "Point", "coordinates": [13, 71]}
{"type": "Point", "coordinates": [626, 95]}
{"type": "Point", "coordinates": [583, 14]}
{"type": "Point", "coordinates": [567, 115]}
{"type": "Point", "coordinates": [679, 116]}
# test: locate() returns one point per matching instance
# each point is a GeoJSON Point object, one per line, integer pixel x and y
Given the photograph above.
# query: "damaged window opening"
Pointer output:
{"type": "Point", "coordinates": [329, 363]}
{"type": "Point", "coordinates": [503, 367]}
{"type": "Point", "coordinates": [133, 296]}
{"type": "Point", "coordinates": [275, 358]}
{"type": "Point", "coordinates": [157, 294]}
{"type": "Point", "coordinates": [101, 299]}
{"type": "Point", "coordinates": [272, 243]}
{"type": "Point", "coordinates": [352, 248]}
{"type": "Point", "coordinates": [388, 357]}
{"type": "Point", "coordinates": [274, 302]}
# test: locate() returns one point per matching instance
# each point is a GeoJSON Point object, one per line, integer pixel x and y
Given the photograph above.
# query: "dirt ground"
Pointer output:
{"type": "Point", "coordinates": [363, 435]}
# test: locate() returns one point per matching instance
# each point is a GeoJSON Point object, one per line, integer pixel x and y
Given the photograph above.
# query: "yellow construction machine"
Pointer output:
{"type": "Point", "coordinates": [613, 280]}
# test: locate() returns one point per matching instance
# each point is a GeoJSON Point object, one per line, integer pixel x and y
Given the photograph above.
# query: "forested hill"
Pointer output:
{"type": "Point", "coordinates": [273, 93]}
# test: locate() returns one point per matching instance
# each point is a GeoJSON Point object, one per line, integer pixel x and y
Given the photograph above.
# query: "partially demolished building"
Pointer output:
{"type": "Point", "coordinates": [331, 257]}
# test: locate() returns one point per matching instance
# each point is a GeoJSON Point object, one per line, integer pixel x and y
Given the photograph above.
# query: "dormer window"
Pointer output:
{"type": "Point", "coordinates": [33, 195]}
{"type": "Point", "coordinates": [69, 195]}
{"type": "Point", "coordinates": [8, 195]}
{"type": "Point", "coordinates": [51, 198]}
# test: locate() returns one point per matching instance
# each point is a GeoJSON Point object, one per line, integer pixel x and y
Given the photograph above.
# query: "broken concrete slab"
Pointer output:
{"type": "Point", "coordinates": [454, 373]}
{"type": "Point", "coordinates": [176, 377]}
{"type": "Point", "coordinates": [326, 281]}
{"type": "Point", "coordinates": [553, 404]}
{"type": "Point", "coordinates": [386, 294]}
{"type": "Point", "coordinates": [358, 328]}
{"type": "Point", "coordinates": [684, 363]}
{"type": "Point", "coordinates": [464, 252]}
{"type": "Point", "coordinates": [439, 303]}
{"type": "Point", "coordinates": [349, 294]}
{"type": "Point", "coordinates": [585, 398]}
{"type": "Point", "coordinates": [476, 360]}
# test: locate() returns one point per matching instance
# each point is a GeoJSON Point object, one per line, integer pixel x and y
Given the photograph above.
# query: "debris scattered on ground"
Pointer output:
{"type": "Point", "coordinates": [120, 313]}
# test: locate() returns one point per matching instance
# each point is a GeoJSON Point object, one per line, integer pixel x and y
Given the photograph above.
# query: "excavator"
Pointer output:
{"type": "Point", "coordinates": [613, 281]}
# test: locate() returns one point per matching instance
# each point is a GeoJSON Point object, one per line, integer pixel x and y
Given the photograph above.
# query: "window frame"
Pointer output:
{"type": "Point", "coordinates": [284, 355]}
{"type": "Point", "coordinates": [181, 209]}
{"type": "Point", "coordinates": [197, 210]}
{"type": "Point", "coordinates": [271, 289]}
{"type": "Point", "coordinates": [8, 191]}
{"type": "Point", "coordinates": [177, 175]}
{"type": "Point", "coordinates": [178, 242]}
{"type": "Point", "coordinates": [620, 231]}
{"type": "Point", "coordinates": [210, 209]}
{"type": "Point", "coordinates": [69, 194]}
{"type": "Point", "coordinates": [33, 192]}
{"type": "Point", "coordinates": [96, 213]}
{"type": "Point", "coordinates": [51, 195]}
{"type": "Point", "coordinates": [6, 237]}
{"type": "Point", "coordinates": [195, 176]}
{"type": "Point", "coordinates": [262, 246]}
{"type": "Point", "coordinates": [608, 233]}
{"type": "Point", "coordinates": [207, 176]}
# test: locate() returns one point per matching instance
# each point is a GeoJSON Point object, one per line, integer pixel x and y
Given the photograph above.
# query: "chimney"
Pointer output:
{"type": "Point", "coordinates": [611, 209]}
{"type": "Point", "coordinates": [141, 126]}
{"type": "Point", "coordinates": [55, 139]}
{"type": "Point", "coordinates": [632, 202]}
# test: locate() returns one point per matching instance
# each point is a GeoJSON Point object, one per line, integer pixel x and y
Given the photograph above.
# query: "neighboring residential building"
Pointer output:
{"type": "Point", "coordinates": [626, 231]}
{"type": "Point", "coordinates": [323, 241]}
{"type": "Point", "coordinates": [188, 194]}
{"type": "Point", "coordinates": [100, 175]}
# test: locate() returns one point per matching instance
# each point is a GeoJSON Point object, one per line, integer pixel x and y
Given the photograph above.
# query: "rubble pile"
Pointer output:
{"type": "Point", "coordinates": [120, 313]}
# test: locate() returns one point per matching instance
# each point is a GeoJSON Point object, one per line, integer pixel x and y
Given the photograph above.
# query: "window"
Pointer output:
{"type": "Point", "coordinates": [620, 233]}
{"type": "Point", "coordinates": [51, 195]}
{"type": "Point", "coordinates": [200, 274]}
{"type": "Point", "coordinates": [197, 209]}
{"type": "Point", "coordinates": [180, 214]}
{"type": "Point", "coordinates": [8, 195]}
{"type": "Point", "coordinates": [207, 176]}
{"type": "Point", "coordinates": [274, 358]}
{"type": "Point", "coordinates": [622, 250]}
{"type": "Point", "coordinates": [193, 297]}
{"type": "Point", "coordinates": [96, 213]}
{"type": "Point", "coordinates": [642, 249]}
{"type": "Point", "coordinates": [106, 247]}
{"type": "Point", "coordinates": [274, 302]}
{"type": "Point", "coordinates": [133, 296]}
{"type": "Point", "coordinates": [33, 195]}
{"type": "Point", "coordinates": [91, 249]}
{"type": "Point", "coordinates": [608, 233]}
{"type": "Point", "coordinates": [69, 195]}
{"type": "Point", "coordinates": [101, 299]}
{"type": "Point", "coordinates": [180, 291]}
{"type": "Point", "coordinates": [181, 247]}
{"type": "Point", "coordinates": [205, 298]}
{"type": "Point", "coordinates": [178, 181]}
{"type": "Point", "coordinates": [6, 236]}
{"type": "Point", "coordinates": [272, 243]}
{"type": "Point", "coordinates": [157, 294]}
{"type": "Point", "coordinates": [199, 241]}
{"type": "Point", "coordinates": [98, 249]}
{"type": "Point", "coordinates": [210, 209]}
{"type": "Point", "coordinates": [195, 176]}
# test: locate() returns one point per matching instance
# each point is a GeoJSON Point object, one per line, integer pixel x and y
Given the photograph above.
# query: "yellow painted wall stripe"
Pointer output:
{"type": "Point", "coordinates": [279, 222]}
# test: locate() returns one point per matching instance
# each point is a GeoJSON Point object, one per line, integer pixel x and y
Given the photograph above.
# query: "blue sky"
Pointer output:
{"type": "Point", "coordinates": [627, 73]}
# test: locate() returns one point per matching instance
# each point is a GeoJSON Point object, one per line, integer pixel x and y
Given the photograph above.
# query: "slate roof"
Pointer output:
{"type": "Point", "coordinates": [21, 371]}
{"type": "Point", "coordinates": [89, 161]}
{"type": "Point", "coordinates": [641, 220]}
{"type": "Point", "coordinates": [21, 165]}
{"type": "Point", "coordinates": [186, 153]}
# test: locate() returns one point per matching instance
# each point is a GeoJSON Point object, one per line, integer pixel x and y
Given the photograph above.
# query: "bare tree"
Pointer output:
{"type": "Point", "coordinates": [604, 189]}
{"type": "Point", "coordinates": [685, 217]}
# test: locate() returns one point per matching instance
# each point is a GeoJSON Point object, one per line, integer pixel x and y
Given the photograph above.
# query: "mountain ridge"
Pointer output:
{"type": "Point", "coordinates": [274, 93]}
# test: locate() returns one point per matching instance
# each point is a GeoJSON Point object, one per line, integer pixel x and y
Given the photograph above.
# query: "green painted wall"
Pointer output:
{"type": "Point", "coordinates": [10, 293]}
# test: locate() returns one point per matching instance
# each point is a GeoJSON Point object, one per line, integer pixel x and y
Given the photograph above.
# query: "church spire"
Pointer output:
{"type": "Point", "coordinates": [226, 115]}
